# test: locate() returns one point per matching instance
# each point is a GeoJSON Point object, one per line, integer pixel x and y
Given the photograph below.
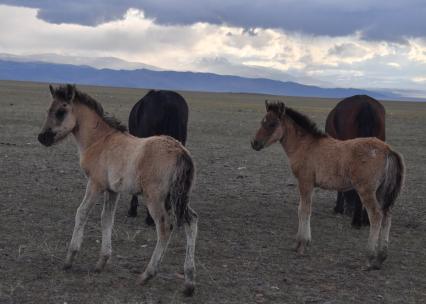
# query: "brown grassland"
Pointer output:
{"type": "Point", "coordinates": [246, 201]}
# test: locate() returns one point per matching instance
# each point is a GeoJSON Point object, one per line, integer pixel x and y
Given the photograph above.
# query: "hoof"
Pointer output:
{"type": "Point", "coordinates": [144, 278]}
{"type": "Point", "coordinates": [373, 263]}
{"type": "Point", "coordinates": [189, 290]}
{"type": "Point", "coordinates": [100, 265]}
{"type": "Point", "coordinates": [382, 256]}
{"type": "Point", "coordinates": [373, 266]}
{"type": "Point", "coordinates": [301, 246]}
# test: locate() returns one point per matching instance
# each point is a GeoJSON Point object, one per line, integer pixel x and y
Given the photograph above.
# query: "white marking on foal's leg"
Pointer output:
{"type": "Point", "coordinates": [384, 237]}
{"type": "Point", "coordinates": [81, 217]}
{"type": "Point", "coordinates": [189, 267]}
{"type": "Point", "coordinates": [164, 230]}
{"type": "Point", "coordinates": [107, 222]}
{"type": "Point", "coordinates": [303, 237]}
{"type": "Point", "coordinates": [375, 217]}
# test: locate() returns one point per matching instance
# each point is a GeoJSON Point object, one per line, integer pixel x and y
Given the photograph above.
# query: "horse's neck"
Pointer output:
{"type": "Point", "coordinates": [90, 127]}
{"type": "Point", "coordinates": [295, 140]}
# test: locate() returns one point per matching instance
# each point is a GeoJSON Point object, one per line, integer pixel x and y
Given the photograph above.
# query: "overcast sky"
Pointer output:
{"type": "Point", "coordinates": [369, 44]}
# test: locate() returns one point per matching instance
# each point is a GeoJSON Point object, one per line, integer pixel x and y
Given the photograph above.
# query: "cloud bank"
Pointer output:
{"type": "Point", "coordinates": [346, 60]}
{"type": "Point", "coordinates": [376, 20]}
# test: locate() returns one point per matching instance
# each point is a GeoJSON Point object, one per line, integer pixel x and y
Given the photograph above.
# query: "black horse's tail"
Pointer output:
{"type": "Point", "coordinates": [367, 120]}
{"type": "Point", "coordinates": [393, 180]}
{"type": "Point", "coordinates": [180, 189]}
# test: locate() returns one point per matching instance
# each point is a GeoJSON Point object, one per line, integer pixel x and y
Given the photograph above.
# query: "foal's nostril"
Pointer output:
{"type": "Point", "coordinates": [46, 138]}
{"type": "Point", "coordinates": [256, 145]}
{"type": "Point", "coordinates": [40, 137]}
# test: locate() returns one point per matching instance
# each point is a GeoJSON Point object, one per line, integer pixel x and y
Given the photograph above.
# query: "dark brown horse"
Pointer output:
{"type": "Point", "coordinates": [158, 113]}
{"type": "Point", "coordinates": [356, 116]}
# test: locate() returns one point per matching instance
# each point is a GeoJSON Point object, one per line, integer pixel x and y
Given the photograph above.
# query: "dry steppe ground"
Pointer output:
{"type": "Point", "coordinates": [246, 200]}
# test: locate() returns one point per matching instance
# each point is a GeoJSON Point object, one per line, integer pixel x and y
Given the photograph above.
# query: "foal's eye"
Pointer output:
{"type": "Point", "coordinates": [272, 125]}
{"type": "Point", "coordinates": [60, 114]}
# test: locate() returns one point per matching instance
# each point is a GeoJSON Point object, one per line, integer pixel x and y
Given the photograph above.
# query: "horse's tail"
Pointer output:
{"type": "Point", "coordinates": [367, 120]}
{"type": "Point", "coordinates": [180, 189]}
{"type": "Point", "coordinates": [393, 180]}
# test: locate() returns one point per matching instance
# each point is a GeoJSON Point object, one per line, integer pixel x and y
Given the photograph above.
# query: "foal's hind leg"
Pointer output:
{"type": "Point", "coordinates": [91, 196]}
{"type": "Point", "coordinates": [191, 228]}
{"type": "Point", "coordinates": [375, 215]}
{"type": "Point", "coordinates": [384, 237]}
{"type": "Point", "coordinates": [164, 230]}
{"type": "Point", "coordinates": [107, 222]}
{"type": "Point", "coordinates": [303, 237]}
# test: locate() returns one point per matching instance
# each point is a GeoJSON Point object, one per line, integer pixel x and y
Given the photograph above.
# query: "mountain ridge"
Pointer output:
{"type": "Point", "coordinates": [172, 80]}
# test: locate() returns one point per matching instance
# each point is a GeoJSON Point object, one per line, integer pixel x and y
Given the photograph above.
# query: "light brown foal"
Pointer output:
{"type": "Point", "coordinates": [157, 167]}
{"type": "Point", "coordinates": [367, 165]}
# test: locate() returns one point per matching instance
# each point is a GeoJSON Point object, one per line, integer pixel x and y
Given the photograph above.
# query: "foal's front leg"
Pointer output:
{"type": "Point", "coordinates": [91, 196]}
{"type": "Point", "coordinates": [107, 222]}
{"type": "Point", "coordinates": [303, 237]}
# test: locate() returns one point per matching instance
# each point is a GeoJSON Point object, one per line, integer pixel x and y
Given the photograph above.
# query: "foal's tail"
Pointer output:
{"type": "Point", "coordinates": [180, 189]}
{"type": "Point", "coordinates": [393, 180]}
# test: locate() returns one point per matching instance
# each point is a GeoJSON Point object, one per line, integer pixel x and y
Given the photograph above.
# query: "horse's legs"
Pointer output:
{"type": "Point", "coordinates": [191, 229]}
{"type": "Point", "coordinates": [375, 215]}
{"type": "Point", "coordinates": [133, 209]}
{"type": "Point", "coordinates": [358, 211]}
{"type": "Point", "coordinates": [107, 221]}
{"type": "Point", "coordinates": [384, 237]}
{"type": "Point", "coordinates": [164, 230]}
{"type": "Point", "coordinates": [303, 237]}
{"type": "Point", "coordinates": [340, 203]}
{"type": "Point", "coordinates": [91, 196]}
{"type": "Point", "coordinates": [148, 219]}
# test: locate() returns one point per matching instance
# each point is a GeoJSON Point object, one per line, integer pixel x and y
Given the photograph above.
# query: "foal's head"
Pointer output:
{"type": "Point", "coordinates": [271, 129]}
{"type": "Point", "coordinates": [60, 120]}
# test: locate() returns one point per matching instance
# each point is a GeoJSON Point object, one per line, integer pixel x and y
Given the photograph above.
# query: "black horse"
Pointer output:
{"type": "Point", "coordinates": [356, 116]}
{"type": "Point", "coordinates": [158, 113]}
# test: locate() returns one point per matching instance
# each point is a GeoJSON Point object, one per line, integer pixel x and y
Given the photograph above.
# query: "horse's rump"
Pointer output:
{"type": "Point", "coordinates": [160, 113]}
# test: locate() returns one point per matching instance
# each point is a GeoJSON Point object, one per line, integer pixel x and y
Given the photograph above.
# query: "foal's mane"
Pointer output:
{"type": "Point", "coordinates": [62, 93]}
{"type": "Point", "coordinates": [305, 123]}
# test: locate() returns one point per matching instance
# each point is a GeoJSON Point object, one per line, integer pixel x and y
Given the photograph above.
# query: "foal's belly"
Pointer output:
{"type": "Point", "coordinates": [124, 183]}
{"type": "Point", "coordinates": [338, 183]}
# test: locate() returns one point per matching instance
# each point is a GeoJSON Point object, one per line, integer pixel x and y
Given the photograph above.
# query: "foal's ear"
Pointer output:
{"type": "Point", "coordinates": [266, 105]}
{"type": "Point", "coordinates": [52, 90]}
{"type": "Point", "coordinates": [70, 92]}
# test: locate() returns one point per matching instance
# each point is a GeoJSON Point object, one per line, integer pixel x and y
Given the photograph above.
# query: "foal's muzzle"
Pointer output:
{"type": "Point", "coordinates": [46, 138]}
{"type": "Point", "coordinates": [256, 145]}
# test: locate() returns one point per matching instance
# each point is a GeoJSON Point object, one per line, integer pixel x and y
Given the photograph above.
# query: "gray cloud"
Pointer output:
{"type": "Point", "coordinates": [377, 20]}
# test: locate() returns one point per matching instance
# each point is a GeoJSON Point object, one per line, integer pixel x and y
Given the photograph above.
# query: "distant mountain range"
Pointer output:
{"type": "Point", "coordinates": [155, 79]}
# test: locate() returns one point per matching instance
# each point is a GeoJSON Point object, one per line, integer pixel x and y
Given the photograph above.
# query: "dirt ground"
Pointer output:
{"type": "Point", "coordinates": [246, 200]}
